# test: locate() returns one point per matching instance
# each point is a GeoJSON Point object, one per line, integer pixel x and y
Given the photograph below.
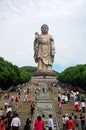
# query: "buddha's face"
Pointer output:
{"type": "Point", "coordinates": [44, 29]}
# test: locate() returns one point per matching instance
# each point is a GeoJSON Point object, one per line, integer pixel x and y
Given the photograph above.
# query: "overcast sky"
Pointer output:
{"type": "Point", "coordinates": [20, 19]}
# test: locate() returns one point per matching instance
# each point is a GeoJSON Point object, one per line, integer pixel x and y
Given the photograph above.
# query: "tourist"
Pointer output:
{"type": "Point", "coordinates": [72, 114]}
{"type": "Point", "coordinates": [16, 102]}
{"type": "Point", "coordinates": [44, 119]}
{"type": "Point", "coordinates": [83, 106]}
{"type": "Point", "coordinates": [76, 122]}
{"type": "Point", "coordinates": [19, 94]}
{"type": "Point", "coordinates": [28, 124]}
{"type": "Point", "coordinates": [50, 123]}
{"type": "Point", "coordinates": [32, 107]}
{"type": "Point", "coordinates": [36, 97]}
{"type": "Point", "coordinates": [38, 124]}
{"type": "Point", "coordinates": [60, 107]}
{"type": "Point", "coordinates": [5, 105]}
{"type": "Point", "coordinates": [82, 119]}
{"type": "Point", "coordinates": [1, 123]}
{"type": "Point", "coordinates": [77, 106]}
{"type": "Point", "coordinates": [64, 122]}
{"type": "Point", "coordinates": [16, 123]}
{"type": "Point", "coordinates": [1, 112]}
{"type": "Point", "coordinates": [59, 96]}
{"type": "Point", "coordinates": [9, 109]}
{"type": "Point", "coordinates": [66, 118]}
{"type": "Point", "coordinates": [82, 98]}
{"type": "Point", "coordinates": [12, 98]}
{"type": "Point", "coordinates": [68, 95]}
{"type": "Point", "coordinates": [5, 95]}
{"type": "Point", "coordinates": [66, 99]}
{"type": "Point", "coordinates": [30, 99]}
{"type": "Point", "coordinates": [25, 97]}
{"type": "Point", "coordinates": [6, 123]}
{"type": "Point", "coordinates": [70, 124]}
{"type": "Point", "coordinates": [8, 95]}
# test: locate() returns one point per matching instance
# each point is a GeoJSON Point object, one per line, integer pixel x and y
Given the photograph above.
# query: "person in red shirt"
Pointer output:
{"type": "Point", "coordinates": [16, 102]}
{"type": "Point", "coordinates": [1, 124]}
{"type": "Point", "coordinates": [39, 124]}
{"type": "Point", "coordinates": [70, 124]}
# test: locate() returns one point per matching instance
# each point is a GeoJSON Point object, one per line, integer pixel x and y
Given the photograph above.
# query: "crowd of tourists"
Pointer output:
{"type": "Point", "coordinates": [73, 121]}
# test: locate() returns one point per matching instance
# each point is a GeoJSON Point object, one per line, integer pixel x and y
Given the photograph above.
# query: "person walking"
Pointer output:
{"type": "Point", "coordinates": [82, 119]}
{"type": "Point", "coordinates": [50, 123]}
{"type": "Point", "coordinates": [60, 107]}
{"type": "Point", "coordinates": [70, 124]}
{"type": "Point", "coordinates": [28, 124]}
{"type": "Point", "coordinates": [64, 122]}
{"type": "Point", "coordinates": [32, 108]}
{"type": "Point", "coordinates": [39, 124]}
{"type": "Point", "coordinates": [16, 102]}
{"type": "Point", "coordinates": [44, 120]}
{"type": "Point", "coordinates": [83, 106]}
{"type": "Point", "coordinates": [1, 124]}
{"type": "Point", "coordinates": [76, 122]}
{"type": "Point", "coordinates": [16, 123]}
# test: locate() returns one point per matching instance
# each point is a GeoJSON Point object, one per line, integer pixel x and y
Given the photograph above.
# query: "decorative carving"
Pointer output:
{"type": "Point", "coordinates": [43, 73]}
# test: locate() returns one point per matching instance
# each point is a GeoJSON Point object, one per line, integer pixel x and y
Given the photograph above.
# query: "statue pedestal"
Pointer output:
{"type": "Point", "coordinates": [41, 76]}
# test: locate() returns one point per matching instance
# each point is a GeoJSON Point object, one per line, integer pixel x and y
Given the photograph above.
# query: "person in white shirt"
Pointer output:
{"type": "Point", "coordinates": [9, 109]}
{"type": "Point", "coordinates": [15, 123]}
{"type": "Point", "coordinates": [66, 119]}
{"type": "Point", "coordinates": [64, 122]}
{"type": "Point", "coordinates": [83, 105]}
{"type": "Point", "coordinates": [50, 123]}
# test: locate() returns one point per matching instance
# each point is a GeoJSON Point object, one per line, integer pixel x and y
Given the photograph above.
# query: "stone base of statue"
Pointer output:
{"type": "Point", "coordinates": [44, 73]}
{"type": "Point", "coordinates": [44, 76]}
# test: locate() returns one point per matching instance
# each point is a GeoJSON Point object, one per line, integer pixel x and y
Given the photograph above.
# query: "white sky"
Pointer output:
{"type": "Point", "coordinates": [20, 19]}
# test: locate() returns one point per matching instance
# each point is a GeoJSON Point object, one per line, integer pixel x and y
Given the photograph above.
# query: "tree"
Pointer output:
{"type": "Point", "coordinates": [11, 75]}
{"type": "Point", "coordinates": [75, 75]}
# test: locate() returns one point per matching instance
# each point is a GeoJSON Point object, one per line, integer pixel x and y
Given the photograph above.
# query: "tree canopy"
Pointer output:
{"type": "Point", "coordinates": [11, 75]}
{"type": "Point", "coordinates": [75, 75]}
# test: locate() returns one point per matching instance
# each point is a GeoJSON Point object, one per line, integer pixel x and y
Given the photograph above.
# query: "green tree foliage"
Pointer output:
{"type": "Point", "coordinates": [74, 75]}
{"type": "Point", "coordinates": [29, 69]}
{"type": "Point", "coordinates": [24, 76]}
{"type": "Point", "coordinates": [11, 75]}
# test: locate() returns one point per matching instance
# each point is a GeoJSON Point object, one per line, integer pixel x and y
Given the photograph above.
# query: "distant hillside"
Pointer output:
{"type": "Point", "coordinates": [29, 69]}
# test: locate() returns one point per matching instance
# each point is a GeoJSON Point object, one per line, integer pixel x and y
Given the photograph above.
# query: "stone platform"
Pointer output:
{"type": "Point", "coordinates": [41, 76]}
{"type": "Point", "coordinates": [42, 79]}
{"type": "Point", "coordinates": [44, 73]}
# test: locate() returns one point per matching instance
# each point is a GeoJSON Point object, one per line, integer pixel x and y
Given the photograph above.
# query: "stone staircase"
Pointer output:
{"type": "Point", "coordinates": [45, 106]}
